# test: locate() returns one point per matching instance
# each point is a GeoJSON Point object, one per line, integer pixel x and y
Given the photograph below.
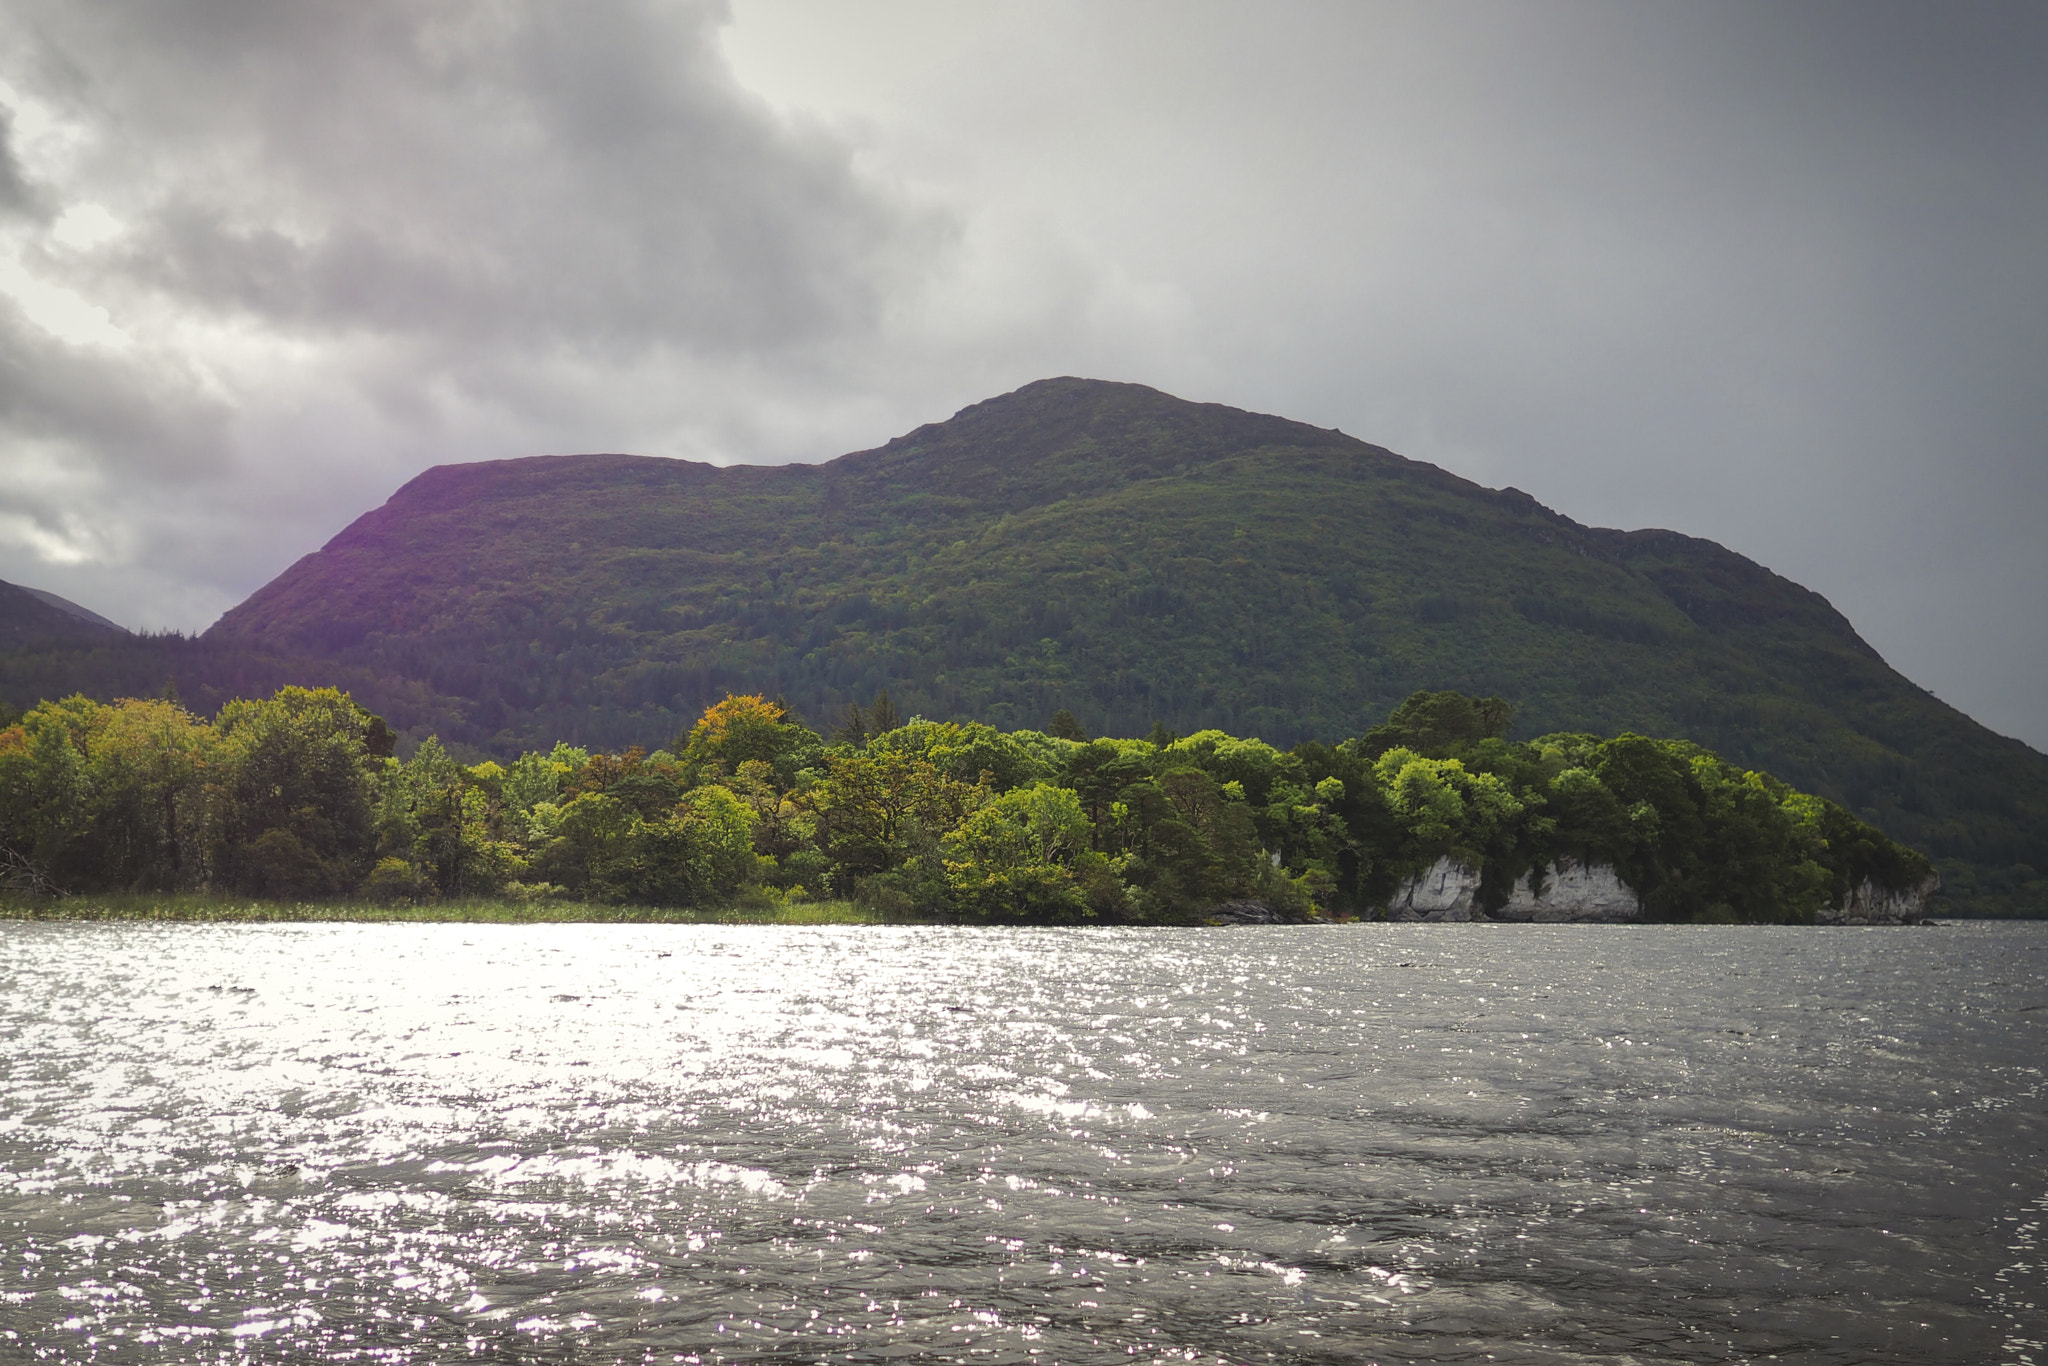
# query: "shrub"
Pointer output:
{"type": "Point", "coordinates": [394, 881]}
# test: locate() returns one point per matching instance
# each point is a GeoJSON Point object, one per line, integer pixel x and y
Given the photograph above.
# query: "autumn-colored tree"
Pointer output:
{"type": "Point", "coordinates": [739, 728]}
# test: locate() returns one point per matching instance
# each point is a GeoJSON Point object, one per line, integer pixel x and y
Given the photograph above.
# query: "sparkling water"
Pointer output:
{"type": "Point", "coordinates": [1375, 1143]}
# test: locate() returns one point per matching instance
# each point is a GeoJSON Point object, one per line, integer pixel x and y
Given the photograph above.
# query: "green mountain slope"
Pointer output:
{"type": "Point", "coordinates": [1133, 558]}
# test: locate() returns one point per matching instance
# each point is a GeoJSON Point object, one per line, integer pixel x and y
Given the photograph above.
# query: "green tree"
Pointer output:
{"type": "Point", "coordinates": [1015, 857]}
{"type": "Point", "coordinates": [292, 804]}
{"type": "Point", "coordinates": [1590, 824]}
{"type": "Point", "coordinates": [46, 792]}
{"type": "Point", "coordinates": [700, 852]}
{"type": "Point", "coordinates": [1440, 725]}
{"type": "Point", "coordinates": [968, 752]}
{"type": "Point", "coordinates": [1098, 772]}
{"type": "Point", "coordinates": [1192, 845]}
{"type": "Point", "coordinates": [585, 846]}
{"type": "Point", "coordinates": [1851, 852]}
{"type": "Point", "coordinates": [1253, 764]}
{"type": "Point", "coordinates": [146, 768]}
{"type": "Point", "coordinates": [853, 729]}
{"type": "Point", "coordinates": [720, 829]}
{"type": "Point", "coordinates": [448, 822]}
{"type": "Point", "coordinates": [1063, 726]}
{"type": "Point", "coordinates": [878, 809]}
{"type": "Point", "coordinates": [537, 778]}
{"type": "Point", "coordinates": [1448, 811]}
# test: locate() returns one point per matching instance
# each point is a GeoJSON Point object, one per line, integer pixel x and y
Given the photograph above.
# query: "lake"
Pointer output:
{"type": "Point", "coordinates": [1372, 1143]}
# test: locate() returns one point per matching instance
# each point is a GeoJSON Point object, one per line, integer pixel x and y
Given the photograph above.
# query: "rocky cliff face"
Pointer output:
{"type": "Point", "coordinates": [1446, 891]}
{"type": "Point", "coordinates": [1871, 904]}
{"type": "Point", "coordinates": [1594, 893]}
{"type": "Point", "coordinates": [1566, 891]}
{"type": "Point", "coordinates": [1573, 891]}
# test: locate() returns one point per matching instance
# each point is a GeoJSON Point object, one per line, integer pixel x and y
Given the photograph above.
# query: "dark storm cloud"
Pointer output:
{"type": "Point", "coordinates": [526, 173]}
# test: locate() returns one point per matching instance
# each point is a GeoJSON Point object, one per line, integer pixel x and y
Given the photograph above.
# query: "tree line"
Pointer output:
{"type": "Point", "coordinates": [302, 795]}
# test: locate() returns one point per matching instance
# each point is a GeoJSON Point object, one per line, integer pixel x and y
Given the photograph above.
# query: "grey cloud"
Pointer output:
{"type": "Point", "coordinates": [520, 174]}
{"type": "Point", "coordinates": [1768, 273]}
{"type": "Point", "coordinates": [358, 239]}
{"type": "Point", "coordinates": [15, 196]}
{"type": "Point", "coordinates": [1771, 274]}
{"type": "Point", "coordinates": [122, 415]}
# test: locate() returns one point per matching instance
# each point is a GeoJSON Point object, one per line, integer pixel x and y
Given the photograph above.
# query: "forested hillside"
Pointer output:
{"type": "Point", "coordinates": [1106, 549]}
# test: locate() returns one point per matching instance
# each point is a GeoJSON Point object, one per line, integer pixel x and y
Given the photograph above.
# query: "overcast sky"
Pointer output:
{"type": "Point", "coordinates": [1774, 274]}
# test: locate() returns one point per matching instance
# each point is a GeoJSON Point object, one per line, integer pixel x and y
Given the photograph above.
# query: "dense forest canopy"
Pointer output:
{"type": "Point", "coordinates": [1103, 549]}
{"type": "Point", "coordinates": [302, 795]}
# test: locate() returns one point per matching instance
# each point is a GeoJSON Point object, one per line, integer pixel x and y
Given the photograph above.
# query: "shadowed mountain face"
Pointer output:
{"type": "Point", "coordinates": [30, 617]}
{"type": "Point", "coordinates": [1130, 557]}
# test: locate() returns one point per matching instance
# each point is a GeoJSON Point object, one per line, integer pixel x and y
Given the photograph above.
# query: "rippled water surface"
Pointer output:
{"type": "Point", "coordinates": [405, 1143]}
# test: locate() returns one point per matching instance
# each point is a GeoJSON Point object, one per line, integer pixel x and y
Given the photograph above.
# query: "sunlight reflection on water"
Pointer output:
{"type": "Point", "coordinates": [702, 1143]}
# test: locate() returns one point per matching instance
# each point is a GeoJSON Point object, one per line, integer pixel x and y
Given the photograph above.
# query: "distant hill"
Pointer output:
{"type": "Point", "coordinates": [31, 617]}
{"type": "Point", "coordinates": [1125, 555]}
{"type": "Point", "coordinates": [70, 608]}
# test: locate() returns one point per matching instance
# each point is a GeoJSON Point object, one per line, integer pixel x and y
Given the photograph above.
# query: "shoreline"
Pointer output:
{"type": "Point", "coordinates": [202, 909]}
{"type": "Point", "coordinates": [193, 908]}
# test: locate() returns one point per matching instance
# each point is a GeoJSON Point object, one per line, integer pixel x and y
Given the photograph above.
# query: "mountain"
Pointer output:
{"type": "Point", "coordinates": [1128, 556]}
{"type": "Point", "coordinates": [30, 617]}
{"type": "Point", "coordinates": [70, 608]}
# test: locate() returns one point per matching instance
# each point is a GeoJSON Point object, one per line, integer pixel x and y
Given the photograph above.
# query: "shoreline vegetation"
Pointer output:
{"type": "Point", "coordinates": [202, 908]}
{"type": "Point", "coordinates": [298, 807]}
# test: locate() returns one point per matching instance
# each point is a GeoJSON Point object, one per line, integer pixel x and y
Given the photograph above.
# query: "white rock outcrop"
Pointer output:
{"type": "Point", "coordinates": [1447, 891]}
{"type": "Point", "coordinates": [1571, 891]}
{"type": "Point", "coordinates": [1566, 892]}
{"type": "Point", "coordinates": [1871, 904]}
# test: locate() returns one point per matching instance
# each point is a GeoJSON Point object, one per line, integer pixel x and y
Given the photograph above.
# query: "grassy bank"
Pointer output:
{"type": "Point", "coordinates": [199, 908]}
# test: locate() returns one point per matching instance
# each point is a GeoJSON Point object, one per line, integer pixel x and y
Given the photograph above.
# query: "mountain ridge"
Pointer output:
{"type": "Point", "coordinates": [34, 616]}
{"type": "Point", "coordinates": [953, 486]}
